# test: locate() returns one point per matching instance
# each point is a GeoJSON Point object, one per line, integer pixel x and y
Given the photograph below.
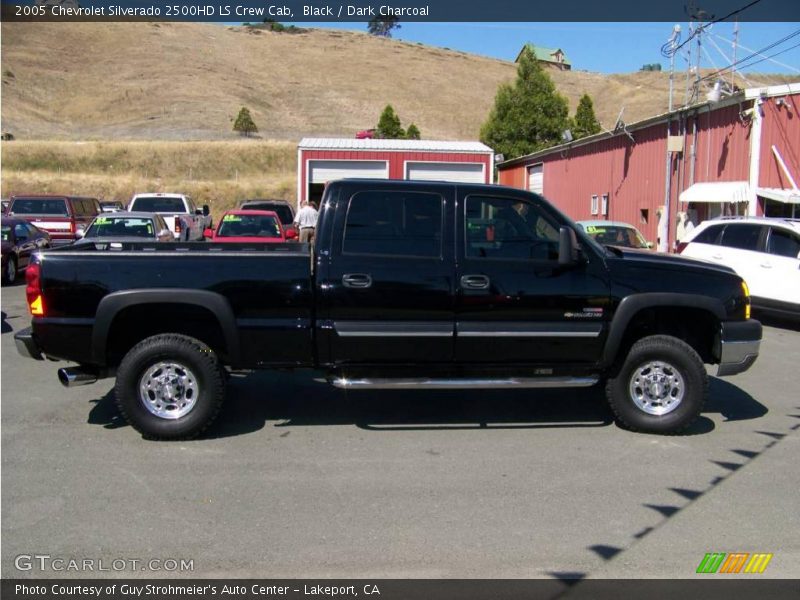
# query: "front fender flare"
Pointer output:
{"type": "Point", "coordinates": [631, 305]}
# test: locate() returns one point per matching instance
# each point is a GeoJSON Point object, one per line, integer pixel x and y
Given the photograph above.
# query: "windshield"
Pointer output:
{"type": "Point", "coordinates": [121, 227]}
{"type": "Point", "coordinates": [40, 206]}
{"type": "Point", "coordinates": [6, 233]}
{"type": "Point", "coordinates": [616, 235]}
{"type": "Point", "coordinates": [249, 226]}
{"type": "Point", "coordinates": [159, 204]}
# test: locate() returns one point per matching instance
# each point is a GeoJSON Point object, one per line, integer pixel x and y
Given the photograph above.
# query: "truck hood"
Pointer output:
{"type": "Point", "coordinates": [659, 260]}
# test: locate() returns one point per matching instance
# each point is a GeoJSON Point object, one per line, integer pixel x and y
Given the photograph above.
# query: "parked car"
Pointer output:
{"type": "Point", "coordinates": [127, 227]}
{"type": "Point", "coordinates": [63, 217]}
{"type": "Point", "coordinates": [183, 218]}
{"type": "Point", "coordinates": [249, 226]}
{"type": "Point", "coordinates": [5, 205]}
{"type": "Point", "coordinates": [765, 252]}
{"type": "Point", "coordinates": [112, 206]}
{"type": "Point", "coordinates": [20, 240]}
{"type": "Point", "coordinates": [284, 209]}
{"type": "Point", "coordinates": [615, 233]}
{"type": "Point", "coordinates": [411, 284]}
{"type": "Point", "coordinates": [366, 134]}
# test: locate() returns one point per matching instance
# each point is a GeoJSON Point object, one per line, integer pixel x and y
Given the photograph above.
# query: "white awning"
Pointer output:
{"type": "Point", "coordinates": [785, 196]}
{"type": "Point", "coordinates": [721, 191]}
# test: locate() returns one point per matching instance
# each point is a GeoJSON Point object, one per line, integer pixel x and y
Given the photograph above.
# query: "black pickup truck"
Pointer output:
{"type": "Point", "coordinates": [410, 285]}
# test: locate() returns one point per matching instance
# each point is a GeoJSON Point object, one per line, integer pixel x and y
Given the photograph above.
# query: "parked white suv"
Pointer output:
{"type": "Point", "coordinates": [765, 252]}
{"type": "Point", "coordinates": [184, 219]}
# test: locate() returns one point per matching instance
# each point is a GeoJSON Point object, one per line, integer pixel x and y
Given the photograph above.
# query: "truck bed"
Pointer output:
{"type": "Point", "coordinates": [266, 289]}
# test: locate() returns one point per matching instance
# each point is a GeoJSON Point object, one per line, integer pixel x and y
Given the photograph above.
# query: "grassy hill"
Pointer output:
{"type": "Point", "coordinates": [187, 81]}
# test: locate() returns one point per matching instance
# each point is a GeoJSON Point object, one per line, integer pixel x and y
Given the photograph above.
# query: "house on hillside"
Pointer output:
{"type": "Point", "coordinates": [553, 57]}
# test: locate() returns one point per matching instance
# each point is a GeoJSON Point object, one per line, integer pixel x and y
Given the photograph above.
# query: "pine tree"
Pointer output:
{"type": "Point", "coordinates": [244, 123]}
{"type": "Point", "coordinates": [527, 116]}
{"type": "Point", "coordinates": [383, 26]}
{"type": "Point", "coordinates": [586, 122]}
{"type": "Point", "coordinates": [388, 126]}
{"type": "Point", "coordinates": [413, 133]}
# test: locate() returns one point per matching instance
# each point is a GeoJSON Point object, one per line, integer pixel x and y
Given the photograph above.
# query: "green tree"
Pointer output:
{"type": "Point", "coordinates": [388, 126]}
{"type": "Point", "coordinates": [527, 116]}
{"type": "Point", "coordinates": [586, 122]}
{"type": "Point", "coordinates": [413, 133]}
{"type": "Point", "coordinates": [244, 123]}
{"type": "Point", "coordinates": [382, 26]}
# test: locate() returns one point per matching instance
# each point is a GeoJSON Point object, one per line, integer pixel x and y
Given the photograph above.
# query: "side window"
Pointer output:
{"type": "Point", "coordinates": [709, 235]}
{"type": "Point", "coordinates": [79, 208]}
{"type": "Point", "coordinates": [20, 231]}
{"type": "Point", "coordinates": [784, 243]}
{"type": "Point", "coordinates": [508, 228]}
{"type": "Point", "coordinates": [394, 223]}
{"type": "Point", "coordinates": [743, 236]}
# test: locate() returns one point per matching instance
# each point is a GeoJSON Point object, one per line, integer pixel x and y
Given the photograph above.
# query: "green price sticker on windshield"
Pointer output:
{"type": "Point", "coordinates": [229, 218]}
{"type": "Point", "coordinates": [102, 220]}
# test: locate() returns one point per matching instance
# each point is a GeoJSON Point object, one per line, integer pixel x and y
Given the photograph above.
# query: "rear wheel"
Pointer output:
{"type": "Point", "coordinates": [170, 387]}
{"type": "Point", "coordinates": [10, 272]}
{"type": "Point", "coordinates": [661, 386]}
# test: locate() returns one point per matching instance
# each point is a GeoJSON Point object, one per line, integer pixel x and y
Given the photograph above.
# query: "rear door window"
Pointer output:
{"type": "Point", "coordinates": [710, 235]}
{"type": "Point", "coordinates": [394, 224]}
{"type": "Point", "coordinates": [783, 243]}
{"type": "Point", "coordinates": [744, 236]}
{"type": "Point", "coordinates": [162, 204]}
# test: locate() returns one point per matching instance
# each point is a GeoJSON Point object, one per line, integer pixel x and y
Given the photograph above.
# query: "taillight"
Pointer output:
{"type": "Point", "coordinates": [33, 289]}
{"type": "Point", "coordinates": [681, 247]}
{"type": "Point", "coordinates": [747, 305]}
{"type": "Point", "coordinates": [177, 225]}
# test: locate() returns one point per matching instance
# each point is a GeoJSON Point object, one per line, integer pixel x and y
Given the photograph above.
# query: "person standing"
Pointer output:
{"type": "Point", "coordinates": [306, 222]}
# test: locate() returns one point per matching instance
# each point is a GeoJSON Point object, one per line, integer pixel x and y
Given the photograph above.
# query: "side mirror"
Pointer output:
{"type": "Point", "coordinates": [206, 210]}
{"type": "Point", "coordinates": [568, 252]}
{"type": "Point", "coordinates": [165, 233]}
{"type": "Point", "coordinates": [291, 234]}
{"type": "Point", "coordinates": [208, 233]}
{"type": "Point", "coordinates": [650, 245]}
{"type": "Point", "coordinates": [79, 233]}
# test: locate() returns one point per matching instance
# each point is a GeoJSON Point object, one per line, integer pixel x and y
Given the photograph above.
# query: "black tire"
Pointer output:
{"type": "Point", "coordinates": [11, 272]}
{"type": "Point", "coordinates": [686, 388]}
{"type": "Point", "coordinates": [202, 398]}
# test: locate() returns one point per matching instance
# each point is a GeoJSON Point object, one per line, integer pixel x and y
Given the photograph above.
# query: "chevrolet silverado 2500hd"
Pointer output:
{"type": "Point", "coordinates": [409, 285]}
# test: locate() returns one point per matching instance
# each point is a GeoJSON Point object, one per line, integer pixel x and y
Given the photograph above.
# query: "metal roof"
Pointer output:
{"type": "Point", "coordinates": [545, 54]}
{"type": "Point", "coordinates": [393, 145]}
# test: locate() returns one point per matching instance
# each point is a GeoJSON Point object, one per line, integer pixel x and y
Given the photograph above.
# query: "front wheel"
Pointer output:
{"type": "Point", "coordinates": [170, 387]}
{"type": "Point", "coordinates": [661, 386]}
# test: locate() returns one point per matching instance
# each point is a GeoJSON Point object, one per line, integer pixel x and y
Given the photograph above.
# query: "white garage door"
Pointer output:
{"type": "Point", "coordinates": [457, 172]}
{"type": "Point", "coordinates": [323, 171]}
{"type": "Point", "coordinates": [536, 179]}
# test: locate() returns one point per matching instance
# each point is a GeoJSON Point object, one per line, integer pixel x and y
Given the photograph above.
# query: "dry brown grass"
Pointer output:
{"type": "Point", "coordinates": [180, 81]}
{"type": "Point", "coordinates": [220, 174]}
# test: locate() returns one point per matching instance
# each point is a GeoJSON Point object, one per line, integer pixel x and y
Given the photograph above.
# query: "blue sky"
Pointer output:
{"type": "Point", "coordinates": [602, 47]}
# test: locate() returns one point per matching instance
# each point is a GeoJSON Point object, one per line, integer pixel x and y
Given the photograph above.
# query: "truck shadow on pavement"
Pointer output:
{"type": "Point", "coordinates": [288, 400]}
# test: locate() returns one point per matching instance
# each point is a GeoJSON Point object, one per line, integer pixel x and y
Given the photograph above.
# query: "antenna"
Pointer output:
{"type": "Point", "coordinates": [673, 40]}
{"type": "Point", "coordinates": [735, 43]}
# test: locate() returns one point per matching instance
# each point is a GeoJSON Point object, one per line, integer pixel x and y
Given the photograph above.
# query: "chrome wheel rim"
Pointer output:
{"type": "Point", "coordinates": [168, 390]}
{"type": "Point", "coordinates": [11, 271]}
{"type": "Point", "coordinates": [656, 387]}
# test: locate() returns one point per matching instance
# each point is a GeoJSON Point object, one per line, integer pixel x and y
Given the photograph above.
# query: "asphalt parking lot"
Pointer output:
{"type": "Point", "coordinates": [297, 479]}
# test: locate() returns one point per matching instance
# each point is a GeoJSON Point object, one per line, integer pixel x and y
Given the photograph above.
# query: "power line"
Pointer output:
{"type": "Point", "coordinates": [741, 61]}
{"type": "Point", "coordinates": [667, 49]}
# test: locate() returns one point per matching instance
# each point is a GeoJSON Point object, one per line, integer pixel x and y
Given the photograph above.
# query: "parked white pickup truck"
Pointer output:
{"type": "Point", "coordinates": [184, 219]}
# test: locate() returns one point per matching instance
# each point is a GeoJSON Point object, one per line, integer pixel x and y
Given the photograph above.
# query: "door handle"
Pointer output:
{"type": "Point", "coordinates": [475, 282]}
{"type": "Point", "coordinates": [766, 265]}
{"type": "Point", "coordinates": [357, 280]}
{"type": "Point", "coordinates": [717, 256]}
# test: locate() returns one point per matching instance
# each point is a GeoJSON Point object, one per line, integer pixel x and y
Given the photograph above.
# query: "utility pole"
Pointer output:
{"type": "Point", "coordinates": [735, 44]}
{"type": "Point", "coordinates": [663, 234]}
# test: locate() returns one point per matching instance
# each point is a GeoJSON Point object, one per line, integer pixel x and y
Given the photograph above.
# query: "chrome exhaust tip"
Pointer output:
{"type": "Point", "coordinates": [75, 376]}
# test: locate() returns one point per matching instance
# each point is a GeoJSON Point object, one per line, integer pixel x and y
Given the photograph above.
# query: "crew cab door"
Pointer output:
{"type": "Point", "coordinates": [515, 304]}
{"type": "Point", "coordinates": [386, 291]}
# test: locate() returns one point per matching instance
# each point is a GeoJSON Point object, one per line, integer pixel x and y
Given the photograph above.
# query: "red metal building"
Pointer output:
{"type": "Point", "coordinates": [320, 160]}
{"type": "Point", "coordinates": [740, 155]}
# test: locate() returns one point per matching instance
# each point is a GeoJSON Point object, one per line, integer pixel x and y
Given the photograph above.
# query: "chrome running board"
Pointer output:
{"type": "Point", "coordinates": [430, 383]}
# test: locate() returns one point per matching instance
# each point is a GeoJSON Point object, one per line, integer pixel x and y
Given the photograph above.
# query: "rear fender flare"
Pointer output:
{"type": "Point", "coordinates": [631, 305]}
{"type": "Point", "coordinates": [113, 303]}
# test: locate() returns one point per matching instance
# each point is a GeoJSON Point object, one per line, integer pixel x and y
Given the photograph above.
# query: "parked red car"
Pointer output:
{"type": "Point", "coordinates": [366, 134]}
{"type": "Point", "coordinates": [240, 226]}
{"type": "Point", "coordinates": [60, 216]}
